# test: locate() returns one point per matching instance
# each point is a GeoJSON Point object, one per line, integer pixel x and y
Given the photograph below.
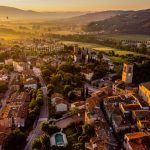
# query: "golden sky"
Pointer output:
{"type": "Point", "coordinates": [77, 5]}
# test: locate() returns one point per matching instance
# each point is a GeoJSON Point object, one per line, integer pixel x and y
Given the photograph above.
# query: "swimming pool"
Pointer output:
{"type": "Point", "coordinates": [59, 139]}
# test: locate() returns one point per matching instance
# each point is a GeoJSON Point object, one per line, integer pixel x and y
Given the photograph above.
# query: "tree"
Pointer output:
{"type": "Point", "coordinates": [45, 127]}
{"type": "Point", "coordinates": [100, 56]}
{"type": "Point", "coordinates": [88, 130]}
{"type": "Point", "coordinates": [33, 93]}
{"type": "Point", "coordinates": [36, 110]}
{"type": "Point", "coordinates": [53, 129]}
{"type": "Point", "coordinates": [67, 88]}
{"type": "Point", "coordinates": [50, 87]}
{"type": "Point", "coordinates": [67, 78]}
{"type": "Point", "coordinates": [143, 48]}
{"type": "Point", "coordinates": [36, 145]}
{"type": "Point", "coordinates": [32, 104]}
{"type": "Point", "coordinates": [39, 100]}
{"type": "Point", "coordinates": [71, 95]}
{"type": "Point", "coordinates": [100, 71]}
{"type": "Point", "coordinates": [55, 79]}
{"type": "Point", "coordinates": [87, 92]}
{"type": "Point", "coordinates": [12, 140]}
{"type": "Point", "coordinates": [45, 140]}
{"type": "Point", "coordinates": [82, 92]}
{"type": "Point", "coordinates": [78, 146]}
{"type": "Point", "coordinates": [46, 72]}
{"type": "Point", "coordinates": [74, 110]}
{"type": "Point", "coordinates": [83, 138]}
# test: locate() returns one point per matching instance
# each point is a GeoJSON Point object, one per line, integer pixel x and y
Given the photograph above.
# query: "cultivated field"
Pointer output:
{"type": "Point", "coordinates": [134, 37]}
{"type": "Point", "coordinates": [100, 48]}
{"type": "Point", "coordinates": [106, 49]}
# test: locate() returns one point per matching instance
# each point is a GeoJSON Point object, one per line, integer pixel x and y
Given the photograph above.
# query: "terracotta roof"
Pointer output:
{"type": "Point", "coordinates": [4, 129]}
{"type": "Point", "coordinates": [92, 102]}
{"type": "Point", "coordinates": [145, 124]}
{"type": "Point", "coordinates": [80, 103]}
{"type": "Point", "coordinates": [19, 97]}
{"type": "Point", "coordinates": [23, 110]}
{"type": "Point", "coordinates": [130, 107]}
{"type": "Point", "coordinates": [142, 114]}
{"type": "Point", "coordinates": [2, 137]}
{"type": "Point", "coordinates": [140, 100]}
{"type": "Point", "coordinates": [128, 99]}
{"type": "Point", "coordinates": [139, 140]}
{"type": "Point", "coordinates": [146, 85]}
{"type": "Point", "coordinates": [103, 92]}
{"type": "Point", "coordinates": [5, 112]}
{"type": "Point", "coordinates": [56, 95]}
{"type": "Point", "coordinates": [135, 135]}
{"type": "Point", "coordinates": [60, 101]}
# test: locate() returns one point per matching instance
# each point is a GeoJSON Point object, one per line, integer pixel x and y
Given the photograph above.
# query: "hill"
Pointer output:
{"type": "Point", "coordinates": [97, 16]}
{"type": "Point", "coordinates": [136, 22]}
{"type": "Point", "coordinates": [18, 14]}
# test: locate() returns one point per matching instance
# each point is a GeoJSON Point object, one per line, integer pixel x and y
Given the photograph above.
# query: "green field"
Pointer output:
{"type": "Point", "coordinates": [133, 37]}
{"type": "Point", "coordinates": [101, 48]}
{"type": "Point", "coordinates": [117, 59]}
{"type": "Point", "coordinates": [106, 49]}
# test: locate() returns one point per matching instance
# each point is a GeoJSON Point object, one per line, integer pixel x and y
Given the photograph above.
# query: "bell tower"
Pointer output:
{"type": "Point", "coordinates": [127, 74]}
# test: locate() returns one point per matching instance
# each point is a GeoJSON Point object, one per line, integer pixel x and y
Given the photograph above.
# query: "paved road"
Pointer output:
{"type": "Point", "coordinates": [36, 132]}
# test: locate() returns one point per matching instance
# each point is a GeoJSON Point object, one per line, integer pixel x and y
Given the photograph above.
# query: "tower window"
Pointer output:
{"type": "Point", "coordinates": [130, 70]}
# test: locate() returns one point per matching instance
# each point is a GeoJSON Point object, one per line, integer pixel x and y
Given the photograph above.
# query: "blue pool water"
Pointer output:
{"type": "Point", "coordinates": [59, 139]}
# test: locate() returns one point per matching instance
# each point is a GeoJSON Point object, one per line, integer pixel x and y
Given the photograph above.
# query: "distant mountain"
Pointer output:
{"type": "Point", "coordinates": [136, 22]}
{"type": "Point", "coordinates": [97, 16]}
{"type": "Point", "coordinates": [18, 14]}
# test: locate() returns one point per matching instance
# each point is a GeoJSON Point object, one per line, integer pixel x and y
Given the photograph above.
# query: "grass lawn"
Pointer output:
{"type": "Point", "coordinates": [117, 59]}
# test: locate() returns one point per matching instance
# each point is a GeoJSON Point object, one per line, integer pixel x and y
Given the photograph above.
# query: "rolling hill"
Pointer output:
{"type": "Point", "coordinates": [18, 14]}
{"type": "Point", "coordinates": [96, 16]}
{"type": "Point", "coordinates": [136, 22]}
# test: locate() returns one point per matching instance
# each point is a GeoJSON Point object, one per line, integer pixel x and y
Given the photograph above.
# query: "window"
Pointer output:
{"type": "Point", "coordinates": [130, 70]}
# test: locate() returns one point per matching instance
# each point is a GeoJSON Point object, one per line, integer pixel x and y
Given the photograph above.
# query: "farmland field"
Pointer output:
{"type": "Point", "coordinates": [98, 47]}
{"type": "Point", "coordinates": [134, 37]}
{"type": "Point", "coordinates": [101, 48]}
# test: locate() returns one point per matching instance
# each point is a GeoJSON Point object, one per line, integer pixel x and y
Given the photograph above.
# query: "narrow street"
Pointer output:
{"type": "Point", "coordinates": [42, 117]}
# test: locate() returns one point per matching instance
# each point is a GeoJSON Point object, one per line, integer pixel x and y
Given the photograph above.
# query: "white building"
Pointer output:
{"type": "Point", "coordinates": [59, 103]}
{"type": "Point", "coordinates": [30, 83]}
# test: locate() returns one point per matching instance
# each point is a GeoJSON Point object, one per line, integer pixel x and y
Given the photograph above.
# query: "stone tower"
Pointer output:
{"type": "Point", "coordinates": [127, 73]}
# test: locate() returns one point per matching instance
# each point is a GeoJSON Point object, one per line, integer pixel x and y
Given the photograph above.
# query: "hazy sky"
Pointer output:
{"type": "Point", "coordinates": [76, 5]}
